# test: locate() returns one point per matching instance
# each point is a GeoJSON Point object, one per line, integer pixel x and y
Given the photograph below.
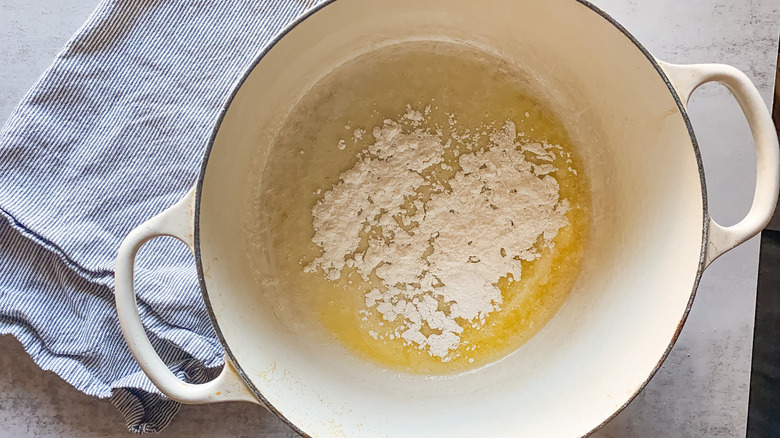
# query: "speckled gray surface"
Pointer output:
{"type": "Point", "coordinates": [701, 390]}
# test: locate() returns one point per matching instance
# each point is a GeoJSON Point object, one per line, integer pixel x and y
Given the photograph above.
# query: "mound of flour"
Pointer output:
{"type": "Point", "coordinates": [435, 249]}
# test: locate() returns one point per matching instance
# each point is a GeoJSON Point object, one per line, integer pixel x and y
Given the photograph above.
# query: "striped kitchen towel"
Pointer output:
{"type": "Point", "coordinates": [110, 135]}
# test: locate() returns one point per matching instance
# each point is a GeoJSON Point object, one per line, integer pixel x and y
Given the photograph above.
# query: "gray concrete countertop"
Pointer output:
{"type": "Point", "coordinates": [702, 388]}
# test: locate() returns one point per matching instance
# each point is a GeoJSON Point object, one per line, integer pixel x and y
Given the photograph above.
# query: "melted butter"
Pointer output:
{"type": "Point", "coordinates": [457, 83]}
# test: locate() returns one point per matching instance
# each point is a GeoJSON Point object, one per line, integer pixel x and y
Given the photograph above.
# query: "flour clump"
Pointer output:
{"type": "Point", "coordinates": [433, 249]}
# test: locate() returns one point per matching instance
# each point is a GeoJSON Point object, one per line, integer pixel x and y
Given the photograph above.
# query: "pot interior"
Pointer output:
{"type": "Point", "coordinates": [642, 260]}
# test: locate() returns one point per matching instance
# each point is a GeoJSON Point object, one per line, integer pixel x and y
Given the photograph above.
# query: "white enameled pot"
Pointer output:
{"type": "Point", "coordinates": [651, 233]}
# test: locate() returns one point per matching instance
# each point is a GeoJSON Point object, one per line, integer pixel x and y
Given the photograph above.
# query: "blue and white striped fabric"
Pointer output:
{"type": "Point", "coordinates": [110, 135]}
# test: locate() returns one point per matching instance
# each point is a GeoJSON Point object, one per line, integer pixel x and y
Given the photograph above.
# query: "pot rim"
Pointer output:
{"type": "Point", "coordinates": [298, 20]}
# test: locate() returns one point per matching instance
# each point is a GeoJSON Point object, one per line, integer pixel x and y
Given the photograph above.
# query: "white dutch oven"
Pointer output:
{"type": "Point", "coordinates": [651, 232]}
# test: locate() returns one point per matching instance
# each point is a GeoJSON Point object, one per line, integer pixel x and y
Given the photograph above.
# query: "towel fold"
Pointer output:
{"type": "Point", "coordinates": [109, 136]}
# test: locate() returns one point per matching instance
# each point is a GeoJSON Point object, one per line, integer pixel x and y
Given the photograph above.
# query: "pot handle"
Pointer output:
{"type": "Point", "coordinates": [685, 79]}
{"type": "Point", "coordinates": [176, 222]}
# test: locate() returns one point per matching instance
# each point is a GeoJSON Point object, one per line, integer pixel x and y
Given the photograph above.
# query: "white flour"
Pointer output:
{"type": "Point", "coordinates": [436, 251]}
